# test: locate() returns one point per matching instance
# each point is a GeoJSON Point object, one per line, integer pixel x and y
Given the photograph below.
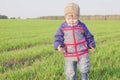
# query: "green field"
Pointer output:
{"type": "Point", "coordinates": [27, 53]}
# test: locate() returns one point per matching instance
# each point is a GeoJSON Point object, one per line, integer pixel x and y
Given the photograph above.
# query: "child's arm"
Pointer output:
{"type": "Point", "coordinates": [59, 40]}
{"type": "Point", "coordinates": [90, 39]}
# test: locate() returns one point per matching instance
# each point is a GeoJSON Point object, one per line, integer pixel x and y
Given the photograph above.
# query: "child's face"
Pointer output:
{"type": "Point", "coordinates": [71, 19]}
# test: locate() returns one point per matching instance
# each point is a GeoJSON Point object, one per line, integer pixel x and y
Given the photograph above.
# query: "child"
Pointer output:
{"type": "Point", "coordinates": [74, 39]}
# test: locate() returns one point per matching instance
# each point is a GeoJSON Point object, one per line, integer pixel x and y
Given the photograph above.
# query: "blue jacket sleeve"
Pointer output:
{"type": "Point", "coordinates": [89, 38]}
{"type": "Point", "coordinates": [58, 39]}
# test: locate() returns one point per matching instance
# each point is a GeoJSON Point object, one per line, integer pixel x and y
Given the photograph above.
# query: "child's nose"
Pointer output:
{"type": "Point", "coordinates": [72, 19]}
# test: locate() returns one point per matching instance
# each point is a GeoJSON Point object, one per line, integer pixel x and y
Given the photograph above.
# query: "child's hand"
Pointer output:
{"type": "Point", "coordinates": [93, 49]}
{"type": "Point", "coordinates": [60, 49]}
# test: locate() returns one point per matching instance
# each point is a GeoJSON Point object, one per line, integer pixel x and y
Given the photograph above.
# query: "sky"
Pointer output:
{"type": "Point", "coordinates": [37, 8]}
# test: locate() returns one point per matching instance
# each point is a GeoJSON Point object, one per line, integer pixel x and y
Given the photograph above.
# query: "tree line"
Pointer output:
{"type": "Point", "coordinates": [82, 17]}
{"type": "Point", "coordinates": [85, 17]}
{"type": "Point", "coordinates": [3, 17]}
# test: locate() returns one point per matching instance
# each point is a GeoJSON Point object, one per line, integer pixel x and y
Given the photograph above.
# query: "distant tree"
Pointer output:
{"type": "Point", "coordinates": [12, 18]}
{"type": "Point", "coordinates": [19, 17]}
{"type": "Point", "coordinates": [3, 17]}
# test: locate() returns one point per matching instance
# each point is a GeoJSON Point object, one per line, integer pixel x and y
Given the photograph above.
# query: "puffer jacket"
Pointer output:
{"type": "Point", "coordinates": [76, 40]}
